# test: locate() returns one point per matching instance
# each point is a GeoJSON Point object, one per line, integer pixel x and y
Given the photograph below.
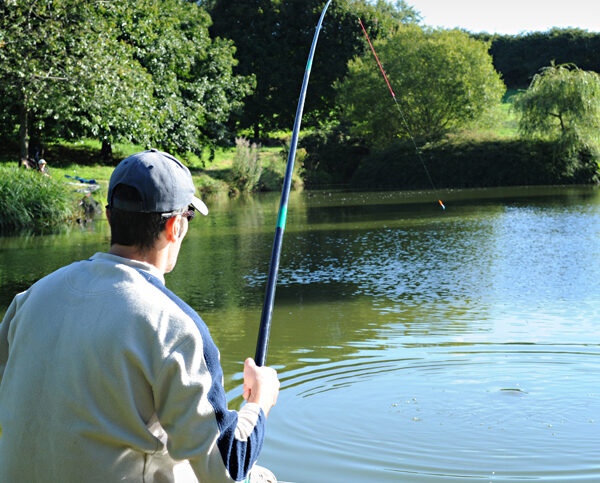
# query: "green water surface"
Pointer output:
{"type": "Point", "coordinates": [413, 344]}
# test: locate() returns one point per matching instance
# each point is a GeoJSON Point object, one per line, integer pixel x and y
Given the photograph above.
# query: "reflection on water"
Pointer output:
{"type": "Point", "coordinates": [413, 344]}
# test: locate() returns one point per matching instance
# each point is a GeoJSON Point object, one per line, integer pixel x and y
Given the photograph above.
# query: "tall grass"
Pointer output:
{"type": "Point", "coordinates": [246, 168]}
{"type": "Point", "coordinates": [32, 201]}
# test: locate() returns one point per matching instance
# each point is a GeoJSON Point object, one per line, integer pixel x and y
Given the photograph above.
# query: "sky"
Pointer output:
{"type": "Point", "coordinates": [509, 16]}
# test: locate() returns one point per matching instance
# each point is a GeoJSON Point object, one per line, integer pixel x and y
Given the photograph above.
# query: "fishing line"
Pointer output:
{"type": "Point", "coordinates": [406, 126]}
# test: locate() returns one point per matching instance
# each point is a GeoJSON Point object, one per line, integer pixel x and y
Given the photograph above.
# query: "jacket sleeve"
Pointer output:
{"type": "Point", "coordinates": [4, 330]}
{"type": "Point", "coordinates": [190, 400]}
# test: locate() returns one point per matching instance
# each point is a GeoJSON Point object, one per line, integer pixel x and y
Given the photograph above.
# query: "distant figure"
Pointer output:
{"type": "Point", "coordinates": [42, 167]}
{"type": "Point", "coordinates": [27, 163]}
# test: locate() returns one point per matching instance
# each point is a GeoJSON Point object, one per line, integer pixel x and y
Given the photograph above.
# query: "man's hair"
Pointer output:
{"type": "Point", "coordinates": [131, 228]}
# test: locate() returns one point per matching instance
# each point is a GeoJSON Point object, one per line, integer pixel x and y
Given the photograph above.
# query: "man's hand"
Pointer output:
{"type": "Point", "coordinates": [261, 385]}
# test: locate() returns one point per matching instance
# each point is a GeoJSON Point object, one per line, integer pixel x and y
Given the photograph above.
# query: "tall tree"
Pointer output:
{"type": "Point", "coordinates": [195, 90]}
{"type": "Point", "coordinates": [442, 79]}
{"type": "Point", "coordinates": [273, 38]}
{"type": "Point", "coordinates": [137, 70]}
{"type": "Point", "coordinates": [33, 53]}
{"type": "Point", "coordinates": [61, 71]}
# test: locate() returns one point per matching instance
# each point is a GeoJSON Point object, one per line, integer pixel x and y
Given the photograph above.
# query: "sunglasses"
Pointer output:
{"type": "Point", "coordinates": [189, 213]}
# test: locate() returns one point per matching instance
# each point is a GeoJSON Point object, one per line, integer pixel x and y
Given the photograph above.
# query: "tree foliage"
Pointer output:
{"type": "Point", "coordinates": [273, 38]}
{"type": "Point", "coordinates": [519, 57]}
{"type": "Point", "coordinates": [442, 80]}
{"type": "Point", "coordinates": [136, 70]}
{"type": "Point", "coordinates": [41, 47]}
{"type": "Point", "coordinates": [195, 89]}
{"type": "Point", "coordinates": [562, 103]}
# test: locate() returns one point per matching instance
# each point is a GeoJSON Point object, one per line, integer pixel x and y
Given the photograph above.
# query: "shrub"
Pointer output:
{"type": "Point", "coordinates": [30, 200]}
{"type": "Point", "coordinates": [331, 157]}
{"type": "Point", "coordinates": [246, 168]}
{"type": "Point", "coordinates": [458, 162]}
{"type": "Point", "coordinates": [207, 185]}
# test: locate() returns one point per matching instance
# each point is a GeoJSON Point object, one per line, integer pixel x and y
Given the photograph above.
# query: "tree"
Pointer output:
{"type": "Point", "coordinates": [442, 79]}
{"type": "Point", "coordinates": [195, 90]}
{"type": "Point", "coordinates": [519, 57]}
{"type": "Point", "coordinates": [33, 67]}
{"type": "Point", "coordinates": [562, 103]}
{"type": "Point", "coordinates": [273, 38]}
{"type": "Point", "coordinates": [60, 70]}
{"type": "Point", "coordinates": [138, 70]}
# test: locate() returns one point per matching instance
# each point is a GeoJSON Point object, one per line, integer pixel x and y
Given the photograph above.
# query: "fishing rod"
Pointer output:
{"type": "Point", "coordinates": [267, 312]}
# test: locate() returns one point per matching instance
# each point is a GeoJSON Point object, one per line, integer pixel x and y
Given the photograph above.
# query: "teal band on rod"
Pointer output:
{"type": "Point", "coordinates": [282, 218]}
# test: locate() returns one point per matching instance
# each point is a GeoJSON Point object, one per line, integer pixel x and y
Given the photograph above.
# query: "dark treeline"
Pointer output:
{"type": "Point", "coordinates": [519, 57]}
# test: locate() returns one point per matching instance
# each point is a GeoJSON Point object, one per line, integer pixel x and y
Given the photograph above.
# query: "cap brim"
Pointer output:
{"type": "Point", "coordinates": [199, 205]}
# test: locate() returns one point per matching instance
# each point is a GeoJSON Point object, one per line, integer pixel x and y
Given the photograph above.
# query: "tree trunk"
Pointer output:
{"type": "Point", "coordinates": [256, 131]}
{"type": "Point", "coordinates": [24, 131]}
{"type": "Point", "coordinates": [106, 152]}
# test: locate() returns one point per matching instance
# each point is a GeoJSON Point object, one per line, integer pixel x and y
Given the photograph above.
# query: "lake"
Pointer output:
{"type": "Point", "coordinates": [413, 344]}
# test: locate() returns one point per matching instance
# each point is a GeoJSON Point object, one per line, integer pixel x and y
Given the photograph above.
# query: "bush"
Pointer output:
{"type": "Point", "coordinates": [331, 157]}
{"type": "Point", "coordinates": [474, 163]}
{"type": "Point", "coordinates": [246, 168]}
{"type": "Point", "coordinates": [30, 200]}
{"type": "Point", "coordinates": [207, 185]}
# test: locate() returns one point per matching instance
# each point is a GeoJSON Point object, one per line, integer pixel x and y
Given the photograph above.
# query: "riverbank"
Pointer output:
{"type": "Point", "coordinates": [486, 157]}
{"type": "Point", "coordinates": [210, 174]}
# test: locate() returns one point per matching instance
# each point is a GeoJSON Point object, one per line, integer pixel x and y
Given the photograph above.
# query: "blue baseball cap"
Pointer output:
{"type": "Point", "coordinates": [165, 184]}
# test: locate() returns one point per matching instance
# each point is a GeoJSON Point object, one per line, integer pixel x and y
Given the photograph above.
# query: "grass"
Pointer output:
{"type": "Point", "coordinates": [210, 175]}
{"type": "Point", "coordinates": [32, 201]}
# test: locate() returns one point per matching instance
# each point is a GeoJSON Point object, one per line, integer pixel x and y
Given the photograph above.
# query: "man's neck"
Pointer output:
{"type": "Point", "coordinates": [151, 256]}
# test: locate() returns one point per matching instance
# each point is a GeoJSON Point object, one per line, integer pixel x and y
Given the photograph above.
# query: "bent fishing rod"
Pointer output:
{"type": "Point", "coordinates": [262, 344]}
{"type": "Point", "coordinates": [265, 321]}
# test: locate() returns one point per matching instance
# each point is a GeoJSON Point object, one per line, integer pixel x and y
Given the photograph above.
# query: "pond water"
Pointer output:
{"type": "Point", "coordinates": [413, 344]}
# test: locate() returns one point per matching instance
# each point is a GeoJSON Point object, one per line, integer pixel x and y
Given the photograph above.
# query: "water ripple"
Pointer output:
{"type": "Point", "coordinates": [494, 412]}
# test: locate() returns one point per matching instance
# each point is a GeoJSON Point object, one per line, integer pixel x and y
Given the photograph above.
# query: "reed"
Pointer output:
{"type": "Point", "coordinates": [32, 201]}
{"type": "Point", "coordinates": [246, 168]}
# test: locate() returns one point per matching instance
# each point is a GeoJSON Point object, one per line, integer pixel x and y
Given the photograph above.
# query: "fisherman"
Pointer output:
{"type": "Point", "coordinates": [106, 375]}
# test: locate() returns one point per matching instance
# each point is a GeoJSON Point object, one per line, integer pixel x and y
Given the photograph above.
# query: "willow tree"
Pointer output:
{"type": "Point", "coordinates": [562, 104]}
{"type": "Point", "coordinates": [442, 79]}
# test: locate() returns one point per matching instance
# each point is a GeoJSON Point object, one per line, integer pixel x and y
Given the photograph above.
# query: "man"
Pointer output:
{"type": "Point", "coordinates": [42, 167]}
{"type": "Point", "coordinates": [106, 375]}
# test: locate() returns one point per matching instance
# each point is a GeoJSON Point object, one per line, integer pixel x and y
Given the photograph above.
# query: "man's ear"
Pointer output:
{"type": "Point", "coordinates": [173, 228]}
